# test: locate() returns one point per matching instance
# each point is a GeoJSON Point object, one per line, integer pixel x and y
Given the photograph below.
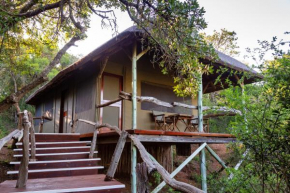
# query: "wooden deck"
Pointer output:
{"type": "Point", "coordinates": [62, 165]}
{"type": "Point", "coordinates": [87, 183]}
{"type": "Point", "coordinates": [158, 136]}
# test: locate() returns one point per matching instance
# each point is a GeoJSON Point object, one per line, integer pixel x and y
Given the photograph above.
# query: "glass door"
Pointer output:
{"type": "Point", "coordinates": [111, 87]}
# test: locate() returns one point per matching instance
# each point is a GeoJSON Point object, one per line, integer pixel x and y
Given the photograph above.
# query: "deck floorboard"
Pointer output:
{"type": "Point", "coordinates": [62, 183]}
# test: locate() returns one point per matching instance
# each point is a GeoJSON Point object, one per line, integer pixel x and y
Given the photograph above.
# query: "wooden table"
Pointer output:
{"type": "Point", "coordinates": [185, 119]}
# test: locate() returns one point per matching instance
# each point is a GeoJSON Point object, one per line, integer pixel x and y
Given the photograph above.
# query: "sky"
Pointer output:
{"type": "Point", "coordinates": [252, 20]}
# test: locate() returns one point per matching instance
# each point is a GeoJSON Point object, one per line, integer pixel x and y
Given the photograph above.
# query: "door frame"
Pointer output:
{"type": "Point", "coordinates": [118, 104]}
{"type": "Point", "coordinates": [62, 115]}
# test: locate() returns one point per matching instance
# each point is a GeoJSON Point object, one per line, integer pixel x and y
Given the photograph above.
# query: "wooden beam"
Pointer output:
{"type": "Point", "coordinates": [128, 96]}
{"type": "Point", "coordinates": [178, 139]}
{"type": "Point", "coordinates": [116, 156]}
{"type": "Point", "coordinates": [184, 105]}
{"type": "Point", "coordinates": [142, 53]}
{"type": "Point", "coordinates": [93, 144]}
{"type": "Point", "coordinates": [32, 138]}
{"type": "Point", "coordinates": [206, 86]}
{"type": "Point", "coordinates": [180, 167]}
{"type": "Point", "coordinates": [239, 163]}
{"type": "Point", "coordinates": [211, 151]}
{"type": "Point", "coordinates": [23, 168]}
{"type": "Point", "coordinates": [181, 186]}
{"type": "Point", "coordinates": [109, 103]}
{"type": "Point", "coordinates": [6, 139]}
{"type": "Point", "coordinates": [87, 122]}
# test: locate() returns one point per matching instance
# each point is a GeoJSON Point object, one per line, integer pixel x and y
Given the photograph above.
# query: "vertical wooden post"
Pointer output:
{"type": "Point", "coordinates": [23, 168]}
{"type": "Point", "coordinates": [134, 119]}
{"type": "Point", "coordinates": [32, 138]}
{"type": "Point", "coordinates": [94, 143]}
{"type": "Point", "coordinates": [41, 125]}
{"type": "Point", "coordinates": [200, 129]}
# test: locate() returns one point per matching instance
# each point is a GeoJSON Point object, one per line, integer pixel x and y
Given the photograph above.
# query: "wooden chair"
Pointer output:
{"type": "Point", "coordinates": [161, 121]}
{"type": "Point", "coordinates": [193, 125]}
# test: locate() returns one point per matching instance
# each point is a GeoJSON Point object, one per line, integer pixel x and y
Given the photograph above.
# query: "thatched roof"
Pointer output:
{"type": "Point", "coordinates": [110, 47]}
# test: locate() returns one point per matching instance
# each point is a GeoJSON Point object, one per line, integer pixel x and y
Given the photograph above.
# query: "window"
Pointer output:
{"type": "Point", "coordinates": [48, 109]}
{"type": "Point", "coordinates": [84, 96]}
{"type": "Point", "coordinates": [163, 93]}
{"type": "Point", "coordinates": [38, 113]}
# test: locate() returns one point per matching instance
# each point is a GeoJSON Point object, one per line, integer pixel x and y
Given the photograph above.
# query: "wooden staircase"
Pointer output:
{"type": "Point", "coordinates": [62, 165]}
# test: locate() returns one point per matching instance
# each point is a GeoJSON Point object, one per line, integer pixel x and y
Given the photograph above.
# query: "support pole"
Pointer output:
{"type": "Point", "coordinates": [134, 119]}
{"type": "Point", "coordinates": [200, 129]}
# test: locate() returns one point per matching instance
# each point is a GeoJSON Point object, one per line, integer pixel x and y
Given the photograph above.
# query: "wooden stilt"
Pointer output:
{"type": "Point", "coordinates": [200, 129]}
{"type": "Point", "coordinates": [134, 119]}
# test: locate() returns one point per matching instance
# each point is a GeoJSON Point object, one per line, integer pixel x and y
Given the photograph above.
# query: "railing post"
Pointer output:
{"type": "Point", "coordinates": [32, 138]}
{"type": "Point", "coordinates": [93, 144]}
{"type": "Point", "coordinates": [23, 168]}
{"type": "Point", "coordinates": [200, 129]}
{"type": "Point", "coordinates": [134, 119]}
{"type": "Point", "coordinates": [41, 125]}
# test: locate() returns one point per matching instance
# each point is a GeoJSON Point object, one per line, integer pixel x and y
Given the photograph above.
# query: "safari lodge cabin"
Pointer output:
{"type": "Point", "coordinates": [108, 72]}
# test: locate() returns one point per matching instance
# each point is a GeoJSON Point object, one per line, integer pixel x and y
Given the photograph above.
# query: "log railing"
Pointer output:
{"type": "Point", "coordinates": [151, 164]}
{"type": "Point", "coordinates": [42, 118]}
{"type": "Point", "coordinates": [25, 126]}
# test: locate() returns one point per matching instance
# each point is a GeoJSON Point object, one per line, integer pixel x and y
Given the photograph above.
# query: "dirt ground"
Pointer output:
{"type": "Point", "coordinates": [6, 156]}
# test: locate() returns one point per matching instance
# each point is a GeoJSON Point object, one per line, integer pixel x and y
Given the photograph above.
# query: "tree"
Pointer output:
{"type": "Point", "coordinates": [171, 26]}
{"type": "Point", "coordinates": [224, 41]}
{"type": "Point", "coordinates": [265, 133]}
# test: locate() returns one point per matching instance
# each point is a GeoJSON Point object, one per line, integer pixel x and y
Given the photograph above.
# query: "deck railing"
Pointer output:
{"type": "Point", "coordinates": [222, 111]}
{"type": "Point", "coordinates": [25, 126]}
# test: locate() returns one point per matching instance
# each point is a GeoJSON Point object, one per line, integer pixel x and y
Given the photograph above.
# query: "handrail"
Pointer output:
{"type": "Point", "coordinates": [152, 165]}
{"type": "Point", "coordinates": [94, 140]}
{"type": "Point", "coordinates": [42, 118]}
{"type": "Point", "coordinates": [128, 96]}
{"type": "Point", "coordinates": [16, 134]}
{"type": "Point", "coordinates": [23, 168]}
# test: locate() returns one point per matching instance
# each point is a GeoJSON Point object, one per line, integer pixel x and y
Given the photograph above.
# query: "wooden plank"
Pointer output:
{"type": "Point", "coordinates": [116, 156]}
{"type": "Point", "coordinates": [59, 183]}
{"type": "Point", "coordinates": [178, 133]}
{"type": "Point", "coordinates": [180, 139]}
{"type": "Point", "coordinates": [159, 132]}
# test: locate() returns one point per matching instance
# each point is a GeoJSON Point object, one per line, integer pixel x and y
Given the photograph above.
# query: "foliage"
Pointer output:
{"type": "Point", "coordinates": [173, 28]}
{"type": "Point", "coordinates": [264, 128]}
{"type": "Point", "coordinates": [224, 41]}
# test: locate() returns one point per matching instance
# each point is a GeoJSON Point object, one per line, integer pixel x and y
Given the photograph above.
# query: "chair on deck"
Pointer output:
{"type": "Point", "coordinates": [193, 125]}
{"type": "Point", "coordinates": [161, 121]}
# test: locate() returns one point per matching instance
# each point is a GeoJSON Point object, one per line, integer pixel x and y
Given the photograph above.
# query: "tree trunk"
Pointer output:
{"type": "Point", "coordinates": [41, 78]}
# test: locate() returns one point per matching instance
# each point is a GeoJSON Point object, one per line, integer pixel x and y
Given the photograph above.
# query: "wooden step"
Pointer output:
{"type": "Point", "coordinates": [57, 137]}
{"type": "Point", "coordinates": [60, 156]}
{"type": "Point", "coordinates": [60, 172]}
{"type": "Point", "coordinates": [57, 149]}
{"type": "Point", "coordinates": [86, 183]}
{"type": "Point", "coordinates": [59, 163]}
{"type": "Point", "coordinates": [57, 144]}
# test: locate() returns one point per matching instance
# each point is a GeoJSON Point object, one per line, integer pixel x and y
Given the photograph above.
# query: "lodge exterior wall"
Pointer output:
{"type": "Point", "coordinates": [118, 64]}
